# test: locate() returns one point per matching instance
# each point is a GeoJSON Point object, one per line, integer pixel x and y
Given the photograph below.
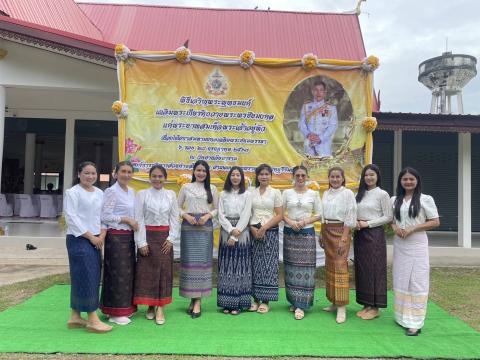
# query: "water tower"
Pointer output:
{"type": "Point", "coordinates": [446, 76]}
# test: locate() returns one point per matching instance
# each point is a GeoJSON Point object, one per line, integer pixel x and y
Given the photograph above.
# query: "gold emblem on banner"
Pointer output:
{"type": "Point", "coordinates": [217, 83]}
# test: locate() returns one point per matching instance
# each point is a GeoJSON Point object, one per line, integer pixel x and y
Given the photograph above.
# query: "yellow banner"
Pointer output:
{"type": "Point", "coordinates": [277, 113]}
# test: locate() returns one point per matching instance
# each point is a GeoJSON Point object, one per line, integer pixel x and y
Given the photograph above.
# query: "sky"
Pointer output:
{"type": "Point", "coordinates": [401, 33]}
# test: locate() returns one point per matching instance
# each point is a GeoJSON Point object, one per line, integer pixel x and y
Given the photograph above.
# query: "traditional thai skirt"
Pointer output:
{"type": "Point", "coordinates": [196, 249]}
{"type": "Point", "coordinates": [234, 289]}
{"type": "Point", "coordinates": [118, 273]}
{"type": "Point", "coordinates": [336, 264]}
{"type": "Point", "coordinates": [85, 268]}
{"type": "Point", "coordinates": [265, 266]}
{"type": "Point", "coordinates": [370, 249]}
{"type": "Point", "coordinates": [154, 273]}
{"type": "Point", "coordinates": [411, 275]}
{"type": "Point", "coordinates": [299, 257]}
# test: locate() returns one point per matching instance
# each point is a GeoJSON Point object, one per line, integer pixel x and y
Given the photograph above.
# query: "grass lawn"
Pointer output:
{"type": "Point", "coordinates": [456, 290]}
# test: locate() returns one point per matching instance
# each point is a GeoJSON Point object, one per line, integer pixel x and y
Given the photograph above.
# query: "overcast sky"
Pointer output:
{"type": "Point", "coordinates": [402, 33]}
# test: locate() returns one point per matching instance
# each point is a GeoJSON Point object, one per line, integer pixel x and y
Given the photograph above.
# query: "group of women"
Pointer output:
{"type": "Point", "coordinates": [138, 233]}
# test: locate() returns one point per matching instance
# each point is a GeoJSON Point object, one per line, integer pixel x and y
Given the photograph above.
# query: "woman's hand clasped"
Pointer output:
{"type": "Point", "coordinates": [144, 250]}
{"type": "Point", "coordinates": [167, 247]}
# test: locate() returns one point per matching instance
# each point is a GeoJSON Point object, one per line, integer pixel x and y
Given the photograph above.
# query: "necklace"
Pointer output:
{"type": "Point", "coordinates": [299, 197]}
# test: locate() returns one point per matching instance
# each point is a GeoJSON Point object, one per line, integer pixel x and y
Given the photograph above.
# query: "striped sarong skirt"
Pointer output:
{"type": "Point", "coordinates": [234, 290]}
{"type": "Point", "coordinates": [118, 273]}
{"type": "Point", "coordinates": [336, 264]}
{"type": "Point", "coordinates": [299, 257]}
{"type": "Point", "coordinates": [370, 249]}
{"type": "Point", "coordinates": [411, 276]}
{"type": "Point", "coordinates": [196, 250]}
{"type": "Point", "coordinates": [85, 267]}
{"type": "Point", "coordinates": [154, 273]}
{"type": "Point", "coordinates": [265, 266]}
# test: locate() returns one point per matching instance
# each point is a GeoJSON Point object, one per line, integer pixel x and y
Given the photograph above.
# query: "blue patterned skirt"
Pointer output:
{"type": "Point", "coordinates": [265, 266]}
{"type": "Point", "coordinates": [85, 268]}
{"type": "Point", "coordinates": [234, 289]}
{"type": "Point", "coordinates": [299, 256]}
{"type": "Point", "coordinates": [196, 250]}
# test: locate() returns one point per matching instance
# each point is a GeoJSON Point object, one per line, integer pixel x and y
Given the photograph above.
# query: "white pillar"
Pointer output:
{"type": "Point", "coordinates": [464, 190]}
{"type": "Point", "coordinates": [68, 165]}
{"type": "Point", "coordinates": [449, 104]}
{"type": "Point", "coordinates": [433, 104]}
{"type": "Point", "coordinates": [114, 151]}
{"type": "Point", "coordinates": [397, 157]}
{"type": "Point", "coordinates": [28, 176]}
{"type": "Point", "coordinates": [459, 103]}
{"type": "Point", "coordinates": [3, 102]}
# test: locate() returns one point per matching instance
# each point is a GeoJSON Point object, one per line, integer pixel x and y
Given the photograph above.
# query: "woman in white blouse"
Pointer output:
{"type": "Point", "coordinates": [234, 288]}
{"type": "Point", "coordinates": [414, 214]}
{"type": "Point", "coordinates": [339, 218]}
{"type": "Point", "coordinates": [198, 202]}
{"type": "Point", "coordinates": [156, 211]}
{"type": "Point", "coordinates": [267, 212]}
{"type": "Point", "coordinates": [82, 209]}
{"type": "Point", "coordinates": [119, 258]}
{"type": "Point", "coordinates": [302, 207]}
{"type": "Point", "coordinates": [370, 247]}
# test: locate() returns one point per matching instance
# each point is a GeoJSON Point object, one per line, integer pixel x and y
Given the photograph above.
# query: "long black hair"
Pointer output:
{"type": "Point", "coordinates": [159, 167]}
{"type": "Point", "coordinates": [259, 169]}
{"type": "Point", "coordinates": [299, 167]}
{"type": "Point", "coordinates": [228, 182]}
{"type": "Point", "coordinates": [206, 183]}
{"type": "Point", "coordinates": [80, 168]}
{"type": "Point", "coordinates": [340, 170]}
{"type": "Point", "coordinates": [362, 187]}
{"type": "Point", "coordinates": [414, 207]}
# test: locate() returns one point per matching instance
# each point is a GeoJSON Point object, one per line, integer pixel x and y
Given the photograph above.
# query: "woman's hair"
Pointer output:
{"type": "Point", "coordinates": [159, 167]}
{"type": "Point", "coordinates": [122, 163]}
{"type": "Point", "coordinates": [414, 207]}
{"type": "Point", "coordinates": [299, 167]}
{"type": "Point", "coordinates": [206, 182]}
{"type": "Point", "coordinates": [362, 187]}
{"type": "Point", "coordinates": [228, 182]}
{"type": "Point", "coordinates": [80, 168]}
{"type": "Point", "coordinates": [259, 169]}
{"type": "Point", "coordinates": [339, 169]}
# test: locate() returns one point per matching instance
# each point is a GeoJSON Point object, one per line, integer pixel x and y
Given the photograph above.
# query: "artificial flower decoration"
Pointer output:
{"type": "Point", "coordinates": [120, 109]}
{"type": "Point", "coordinates": [184, 179]}
{"type": "Point", "coordinates": [369, 124]}
{"type": "Point", "coordinates": [248, 181]}
{"type": "Point", "coordinates": [121, 52]}
{"type": "Point", "coordinates": [183, 55]}
{"type": "Point", "coordinates": [313, 185]}
{"type": "Point", "coordinates": [309, 61]}
{"type": "Point", "coordinates": [247, 58]}
{"type": "Point", "coordinates": [370, 63]}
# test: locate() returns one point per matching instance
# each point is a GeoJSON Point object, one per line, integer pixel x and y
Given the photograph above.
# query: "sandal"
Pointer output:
{"type": "Point", "coordinates": [253, 307]}
{"type": "Point", "coordinates": [190, 308]}
{"type": "Point", "coordinates": [226, 311]}
{"type": "Point", "coordinates": [150, 314]}
{"type": "Point", "coordinates": [76, 324]}
{"type": "Point", "coordinates": [370, 314]}
{"type": "Point", "coordinates": [263, 308]}
{"type": "Point", "coordinates": [235, 312]}
{"type": "Point", "coordinates": [299, 314]}
{"type": "Point", "coordinates": [159, 320]}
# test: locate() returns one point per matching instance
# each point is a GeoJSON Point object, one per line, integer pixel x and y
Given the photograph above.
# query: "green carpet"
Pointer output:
{"type": "Point", "coordinates": [39, 326]}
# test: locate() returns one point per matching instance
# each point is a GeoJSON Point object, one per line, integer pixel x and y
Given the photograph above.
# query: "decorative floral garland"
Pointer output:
{"type": "Point", "coordinates": [370, 63]}
{"type": "Point", "coordinates": [247, 59]}
{"type": "Point", "coordinates": [121, 52]}
{"type": "Point", "coordinates": [183, 55]}
{"type": "Point", "coordinates": [120, 109]}
{"type": "Point", "coordinates": [369, 124]}
{"type": "Point", "coordinates": [309, 61]}
{"type": "Point", "coordinates": [184, 179]}
{"type": "Point", "coordinates": [313, 185]}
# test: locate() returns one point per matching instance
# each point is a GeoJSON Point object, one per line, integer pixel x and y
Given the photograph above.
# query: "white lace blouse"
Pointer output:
{"type": "Point", "coordinates": [340, 205]}
{"type": "Point", "coordinates": [302, 206]}
{"type": "Point", "coordinates": [263, 206]}
{"type": "Point", "coordinates": [118, 203]}
{"type": "Point", "coordinates": [82, 210]}
{"type": "Point", "coordinates": [234, 205]}
{"type": "Point", "coordinates": [192, 199]}
{"type": "Point", "coordinates": [428, 211]}
{"type": "Point", "coordinates": [375, 208]}
{"type": "Point", "coordinates": [156, 208]}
